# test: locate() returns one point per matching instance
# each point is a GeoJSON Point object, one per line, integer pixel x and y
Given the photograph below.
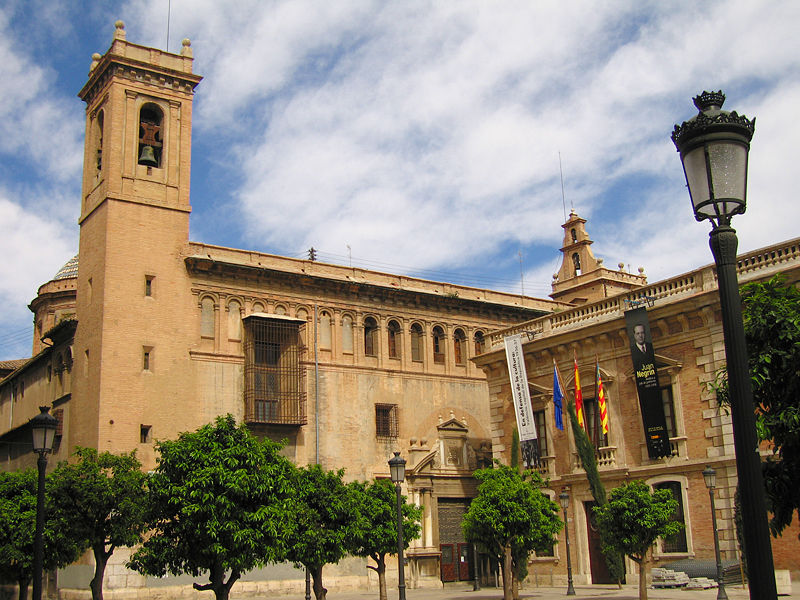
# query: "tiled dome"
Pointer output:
{"type": "Point", "coordinates": [69, 270]}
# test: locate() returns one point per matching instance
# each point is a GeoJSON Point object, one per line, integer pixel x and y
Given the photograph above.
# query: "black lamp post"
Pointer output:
{"type": "Point", "coordinates": [710, 476]}
{"type": "Point", "coordinates": [43, 427]}
{"type": "Point", "coordinates": [713, 146]}
{"type": "Point", "coordinates": [397, 469]}
{"type": "Point", "coordinates": [563, 499]}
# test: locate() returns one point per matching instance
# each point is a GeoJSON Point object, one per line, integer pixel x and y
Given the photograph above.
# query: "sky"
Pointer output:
{"type": "Point", "coordinates": [425, 138]}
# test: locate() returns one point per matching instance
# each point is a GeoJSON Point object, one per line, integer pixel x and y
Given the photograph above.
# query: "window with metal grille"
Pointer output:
{"type": "Point", "coordinates": [393, 337]}
{"type": "Point", "coordinates": [593, 424]}
{"type": "Point", "coordinates": [438, 345]}
{"type": "Point", "coordinates": [386, 425]}
{"type": "Point", "coordinates": [274, 390]}
{"type": "Point", "coordinates": [669, 410]}
{"type": "Point", "coordinates": [459, 346]}
{"type": "Point", "coordinates": [370, 337]}
{"type": "Point", "coordinates": [541, 431]}
{"type": "Point", "coordinates": [416, 342]}
{"type": "Point", "coordinates": [676, 542]}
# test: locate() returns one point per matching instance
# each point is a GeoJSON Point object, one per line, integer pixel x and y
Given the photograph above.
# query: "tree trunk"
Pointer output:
{"type": "Point", "coordinates": [100, 560]}
{"type": "Point", "coordinates": [381, 571]}
{"type": "Point", "coordinates": [319, 590]}
{"type": "Point", "coordinates": [643, 577]}
{"type": "Point", "coordinates": [23, 588]}
{"type": "Point", "coordinates": [507, 592]}
{"type": "Point", "coordinates": [514, 584]}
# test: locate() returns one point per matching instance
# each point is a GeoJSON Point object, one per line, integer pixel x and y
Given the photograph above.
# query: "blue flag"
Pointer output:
{"type": "Point", "coordinates": [558, 396]}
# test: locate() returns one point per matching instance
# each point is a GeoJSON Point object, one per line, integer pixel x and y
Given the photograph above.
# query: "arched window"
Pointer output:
{"type": "Point", "coordinates": [151, 120]}
{"type": "Point", "coordinates": [325, 329]}
{"type": "Point", "coordinates": [207, 317]}
{"type": "Point", "coordinates": [438, 345]}
{"type": "Point", "coordinates": [574, 235]}
{"type": "Point", "coordinates": [459, 347]}
{"type": "Point", "coordinates": [576, 261]}
{"type": "Point", "coordinates": [370, 337]}
{"type": "Point", "coordinates": [677, 541]}
{"type": "Point", "coordinates": [416, 342]}
{"type": "Point", "coordinates": [302, 314]}
{"type": "Point", "coordinates": [480, 343]}
{"type": "Point", "coordinates": [258, 307]}
{"type": "Point", "coordinates": [347, 334]}
{"type": "Point", "coordinates": [280, 309]}
{"type": "Point", "coordinates": [99, 141]}
{"type": "Point", "coordinates": [393, 338]}
{"type": "Point", "coordinates": [234, 320]}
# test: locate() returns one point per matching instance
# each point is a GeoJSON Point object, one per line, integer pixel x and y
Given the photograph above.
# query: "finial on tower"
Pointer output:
{"type": "Point", "coordinates": [186, 47]}
{"type": "Point", "coordinates": [119, 31]}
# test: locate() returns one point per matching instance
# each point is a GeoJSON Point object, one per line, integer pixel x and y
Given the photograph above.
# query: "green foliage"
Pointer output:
{"type": "Point", "coordinates": [221, 504]}
{"type": "Point", "coordinates": [326, 521]}
{"type": "Point", "coordinates": [634, 518]}
{"type": "Point", "coordinates": [586, 453]}
{"type": "Point", "coordinates": [510, 512]}
{"type": "Point", "coordinates": [771, 311]}
{"type": "Point", "coordinates": [101, 500]}
{"type": "Point", "coordinates": [375, 534]}
{"type": "Point", "coordinates": [18, 526]}
{"type": "Point", "coordinates": [376, 504]}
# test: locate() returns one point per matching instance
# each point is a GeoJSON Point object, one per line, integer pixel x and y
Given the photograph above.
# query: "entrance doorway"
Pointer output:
{"type": "Point", "coordinates": [457, 560]}
{"type": "Point", "coordinates": [597, 560]}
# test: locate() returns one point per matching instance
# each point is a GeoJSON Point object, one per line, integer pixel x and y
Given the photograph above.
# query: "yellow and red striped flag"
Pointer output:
{"type": "Point", "coordinates": [578, 394]}
{"type": "Point", "coordinates": [601, 396]}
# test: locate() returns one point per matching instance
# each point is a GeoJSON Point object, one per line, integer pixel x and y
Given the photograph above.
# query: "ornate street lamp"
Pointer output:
{"type": "Point", "coordinates": [43, 427]}
{"type": "Point", "coordinates": [397, 469]}
{"type": "Point", "coordinates": [714, 145]}
{"type": "Point", "coordinates": [563, 499]}
{"type": "Point", "coordinates": [710, 476]}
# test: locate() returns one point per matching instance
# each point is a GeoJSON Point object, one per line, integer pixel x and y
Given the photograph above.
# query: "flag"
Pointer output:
{"type": "Point", "coordinates": [601, 396]}
{"type": "Point", "coordinates": [578, 395]}
{"type": "Point", "coordinates": [558, 396]}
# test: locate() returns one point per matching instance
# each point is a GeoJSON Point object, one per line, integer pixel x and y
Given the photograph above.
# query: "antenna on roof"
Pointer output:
{"type": "Point", "coordinates": [169, 14]}
{"type": "Point", "coordinates": [563, 196]}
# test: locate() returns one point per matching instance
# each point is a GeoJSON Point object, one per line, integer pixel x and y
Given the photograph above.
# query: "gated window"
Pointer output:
{"type": "Point", "coordinates": [438, 345]}
{"type": "Point", "coordinates": [393, 332]}
{"type": "Point", "coordinates": [677, 541]}
{"type": "Point", "coordinates": [386, 425]}
{"type": "Point", "coordinates": [370, 337]}
{"type": "Point", "coordinates": [416, 342]}
{"type": "Point", "coordinates": [594, 427]}
{"type": "Point", "coordinates": [274, 372]}
{"type": "Point", "coordinates": [459, 346]}
{"type": "Point", "coordinates": [669, 410]}
{"type": "Point", "coordinates": [480, 343]}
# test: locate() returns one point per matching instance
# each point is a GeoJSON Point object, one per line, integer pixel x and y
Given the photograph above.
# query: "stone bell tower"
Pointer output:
{"type": "Point", "coordinates": [583, 278]}
{"type": "Point", "coordinates": [134, 228]}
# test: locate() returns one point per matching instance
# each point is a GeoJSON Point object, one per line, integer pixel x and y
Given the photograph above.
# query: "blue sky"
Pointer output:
{"type": "Point", "coordinates": [415, 137]}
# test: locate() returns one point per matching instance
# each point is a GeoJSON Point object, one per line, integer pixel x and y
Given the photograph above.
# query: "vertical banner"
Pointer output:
{"type": "Point", "coordinates": [644, 366]}
{"type": "Point", "coordinates": [526, 425]}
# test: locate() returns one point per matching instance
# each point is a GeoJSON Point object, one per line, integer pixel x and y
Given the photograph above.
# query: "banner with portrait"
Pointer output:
{"type": "Point", "coordinates": [646, 373]}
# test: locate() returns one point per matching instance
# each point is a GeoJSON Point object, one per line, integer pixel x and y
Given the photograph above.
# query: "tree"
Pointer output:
{"type": "Point", "coordinates": [101, 500]}
{"type": "Point", "coordinates": [510, 516]}
{"type": "Point", "coordinates": [771, 312]}
{"type": "Point", "coordinates": [633, 519]}
{"type": "Point", "coordinates": [377, 525]}
{"type": "Point", "coordinates": [586, 453]}
{"type": "Point", "coordinates": [220, 503]}
{"type": "Point", "coordinates": [325, 522]}
{"type": "Point", "coordinates": [17, 530]}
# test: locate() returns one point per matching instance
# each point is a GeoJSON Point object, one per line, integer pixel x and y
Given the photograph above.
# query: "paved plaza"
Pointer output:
{"type": "Point", "coordinates": [604, 592]}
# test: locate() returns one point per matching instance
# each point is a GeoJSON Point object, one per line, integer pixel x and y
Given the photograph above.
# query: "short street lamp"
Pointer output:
{"type": "Point", "coordinates": [710, 476]}
{"type": "Point", "coordinates": [43, 427]}
{"type": "Point", "coordinates": [397, 469]}
{"type": "Point", "coordinates": [713, 146]}
{"type": "Point", "coordinates": [563, 499]}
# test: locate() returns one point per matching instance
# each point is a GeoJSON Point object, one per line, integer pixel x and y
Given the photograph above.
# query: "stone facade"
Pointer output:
{"type": "Point", "coordinates": [160, 327]}
{"type": "Point", "coordinates": [685, 322]}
